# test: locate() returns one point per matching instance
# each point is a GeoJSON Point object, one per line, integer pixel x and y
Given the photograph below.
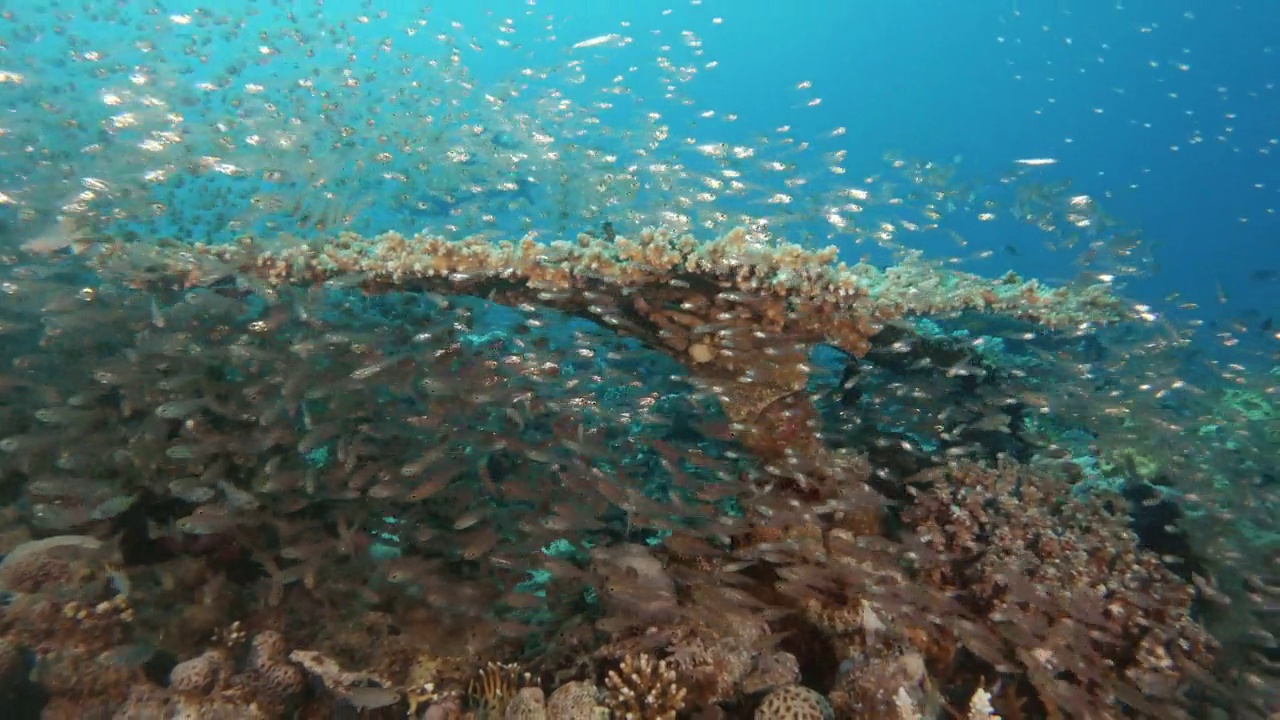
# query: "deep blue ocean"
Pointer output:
{"type": "Point", "coordinates": [1168, 112]}
{"type": "Point", "coordinates": [1165, 112]}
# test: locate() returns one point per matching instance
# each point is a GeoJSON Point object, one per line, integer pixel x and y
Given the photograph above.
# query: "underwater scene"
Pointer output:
{"type": "Point", "coordinates": [582, 360]}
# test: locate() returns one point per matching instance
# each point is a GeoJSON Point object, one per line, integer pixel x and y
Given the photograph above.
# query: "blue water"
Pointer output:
{"type": "Point", "coordinates": [1165, 112]}
{"type": "Point", "coordinates": [1098, 85]}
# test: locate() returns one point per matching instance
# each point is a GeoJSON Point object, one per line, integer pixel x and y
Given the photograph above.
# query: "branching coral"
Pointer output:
{"type": "Point", "coordinates": [1061, 583]}
{"type": "Point", "coordinates": [644, 689]}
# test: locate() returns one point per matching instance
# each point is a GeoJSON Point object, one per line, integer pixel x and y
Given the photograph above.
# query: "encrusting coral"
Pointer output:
{"type": "Point", "coordinates": [575, 700]}
{"type": "Point", "coordinates": [209, 687]}
{"type": "Point", "coordinates": [794, 702]}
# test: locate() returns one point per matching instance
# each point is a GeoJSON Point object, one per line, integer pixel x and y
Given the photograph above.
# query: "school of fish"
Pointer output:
{"type": "Point", "coordinates": [358, 362]}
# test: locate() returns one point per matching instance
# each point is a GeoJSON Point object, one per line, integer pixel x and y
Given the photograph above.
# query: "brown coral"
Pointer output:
{"type": "Point", "coordinates": [270, 674]}
{"type": "Point", "coordinates": [772, 670]}
{"type": "Point", "coordinates": [11, 662]}
{"type": "Point", "coordinates": [200, 675]}
{"type": "Point", "coordinates": [276, 682]}
{"type": "Point", "coordinates": [528, 704]}
{"type": "Point", "coordinates": [883, 683]}
{"type": "Point", "coordinates": [55, 561]}
{"type": "Point", "coordinates": [574, 700]}
{"type": "Point", "coordinates": [1059, 586]}
{"type": "Point", "coordinates": [361, 690]}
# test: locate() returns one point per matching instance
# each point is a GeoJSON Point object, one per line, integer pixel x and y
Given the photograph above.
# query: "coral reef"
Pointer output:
{"type": "Point", "coordinates": [426, 520]}
{"type": "Point", "coordinates": [604, 440]}
{"type": "Point", "coordinates": [644, 689]}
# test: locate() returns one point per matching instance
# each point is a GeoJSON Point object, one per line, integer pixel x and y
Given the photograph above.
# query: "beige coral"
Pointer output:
{"type": "Point", "coordinates": [980, 706]}
{"type": "Point", "coordinates": [496, 685]}
{"type": "Point", "coordinates": [528, 704]}
{"type": "Point", "coordinates": [644, 689]}
{"type": "Point", "coordinates": [575, 700]}
{"type": "Point", "coordinates": [794, 702]}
